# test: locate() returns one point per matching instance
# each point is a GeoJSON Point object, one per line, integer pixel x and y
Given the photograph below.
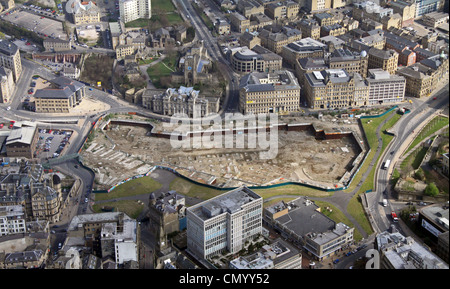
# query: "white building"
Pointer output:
{"type": "Point", "coordinates": [385, 88]}
{"type": "Point", "coordinates": [400, 252]}
{"type": "Point", "coordinates": [134, 9]}
{"type": "Point", "coordinates": [12, 220]}
{"type": "Point", "coordinates": [224, 223]}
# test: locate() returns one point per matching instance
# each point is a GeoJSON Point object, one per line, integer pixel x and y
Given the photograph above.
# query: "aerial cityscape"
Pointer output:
{"type": "Point", "coordinates": [224, 134]}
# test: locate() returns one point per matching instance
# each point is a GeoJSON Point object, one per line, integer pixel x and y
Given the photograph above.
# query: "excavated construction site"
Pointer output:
{"type": "Point", "coordinates": [323, 153]}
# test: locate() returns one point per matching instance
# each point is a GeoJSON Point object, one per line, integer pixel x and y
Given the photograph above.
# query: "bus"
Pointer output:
{"type": "Point", "coordinates": [386, 164]}
{"type": "Point", "coordinates": [394, 216]}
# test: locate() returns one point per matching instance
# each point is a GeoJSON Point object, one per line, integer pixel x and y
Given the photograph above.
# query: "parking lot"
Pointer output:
{"type": "Point", "coordinates": [51, 143]}
{"type": "Point", "coordinates": [42, 25]}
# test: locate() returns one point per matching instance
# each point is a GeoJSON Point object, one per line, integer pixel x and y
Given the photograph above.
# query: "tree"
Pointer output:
{"type": "Point", "coordinates": [431, 190]}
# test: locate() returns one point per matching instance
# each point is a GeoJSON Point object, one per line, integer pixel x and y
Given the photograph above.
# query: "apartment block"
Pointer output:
{"type": "Point", "coordinates": [276, 92]}
{"type": "Point", "coordinates": [224, 223]}
{"type": "Point", "coordinates": [10, 58]}
{"type": "Point", "coordinates": [384, 59]}
{"type": "Point", "coordinates": [6, 84]}
{"type": "Point", "coordinates": [134, 9]}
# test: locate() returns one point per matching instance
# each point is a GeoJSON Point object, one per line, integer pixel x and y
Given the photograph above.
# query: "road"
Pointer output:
{"type": "Point", "coordinates": [406, 128]}
{"type": "Point", "coordinates": [231, 101]}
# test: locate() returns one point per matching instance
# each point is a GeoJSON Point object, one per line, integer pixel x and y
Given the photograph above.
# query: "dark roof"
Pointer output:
{"type": "Point", "coordinates": [8, 48]}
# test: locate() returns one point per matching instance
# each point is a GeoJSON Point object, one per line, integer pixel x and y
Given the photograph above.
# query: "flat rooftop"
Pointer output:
{"type": "Point", "coordinates": [230, 202]}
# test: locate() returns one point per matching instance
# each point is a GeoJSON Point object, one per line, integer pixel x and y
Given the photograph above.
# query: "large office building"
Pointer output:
{"type": "Point", "coordinates": [321, 238]}
{"type": "Point", "coordinates": [385, 88]}
{"type": "Point", "coordinates": [261, 92]}
{"type": "Point", "coordinates": [244, 60]}
{"type": "Point", "coordinates": [134, 9]}
{"type": "Point", "coordinates": [224, 223]}
{"type": "Point", "coordinates": [64, 94]}
{"type": "Point", "coordinates": [10, 58]}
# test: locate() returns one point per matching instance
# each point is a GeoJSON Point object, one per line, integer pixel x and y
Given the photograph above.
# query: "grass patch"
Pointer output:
{"type": "Point", "coordinates": [144, 185]}
{"type": "Point", "coordinates": [190, 189]}
{"type": "Point", "coordinates": [338, 217]}
{"type": "Point", "coordinates": [163, 5]}
{"type": "Point", "coordinates": [433, 126]}
{"type": "Point", "coordinates": [161, 69]}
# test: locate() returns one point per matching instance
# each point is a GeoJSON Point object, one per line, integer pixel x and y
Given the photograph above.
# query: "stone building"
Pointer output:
{"type": "Point", "coordinates": [41, 197]}
{"type": "Point", "coordinates": [274, 38]}
{"type": "Point", "coordinates": [10, 58]}
{"type": "Point", "coordinates": [85, 12]}
{"type": "Point", "coordinates": [7, 84]}
{"type": "Point", "coordinates": [57, 45]}
{"type": "Point", "coordinates": [261, 92]}
{"type": "Point", "coordinates": [166, 215]}
{"type": "Point", "coordinates": [184, 100]}
{"type": "Point", "coordinates": [64, 94]}
{"type": "Point", "coordinates": [193, 66]}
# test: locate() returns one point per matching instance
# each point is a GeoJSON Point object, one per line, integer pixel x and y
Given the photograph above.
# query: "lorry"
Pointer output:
{"type": "Point", "coordinates": [384, 202]}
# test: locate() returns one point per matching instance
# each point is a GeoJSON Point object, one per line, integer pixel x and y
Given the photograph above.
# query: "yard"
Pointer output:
{"type": "Point", "coordinates": [161, 71]}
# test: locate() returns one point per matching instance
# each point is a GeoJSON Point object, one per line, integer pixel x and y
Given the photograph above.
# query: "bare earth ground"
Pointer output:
{"type": "Point", "coordinates": [124, 151]}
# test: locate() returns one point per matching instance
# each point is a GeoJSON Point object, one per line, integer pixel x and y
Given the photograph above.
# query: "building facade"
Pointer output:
{"type": "Point", "coordinates": [134, 9]}
{"type": "Point", "coordinates": [184, 100]}
{"type": "Point", "coordinates": [277, 92]}
{"type": "Point", "coordinates": [56, 44]}
{"type": "Point", "coordinates": [244, 60]}
{"type": "Point", "coordinates": [22, 140]}
{"type": "Point", "coordinates": [10, 58]}
{"type": "Point", "coordinates": [224, 223]}
{"type": "Point", "coordinates": [6, 84]}
{"type": "Point", "coordinates": [85, 12]}
{"type": "Point", "coordinates": [385, 88]}
{"type": "Point", "coordinates": [64, 94]}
